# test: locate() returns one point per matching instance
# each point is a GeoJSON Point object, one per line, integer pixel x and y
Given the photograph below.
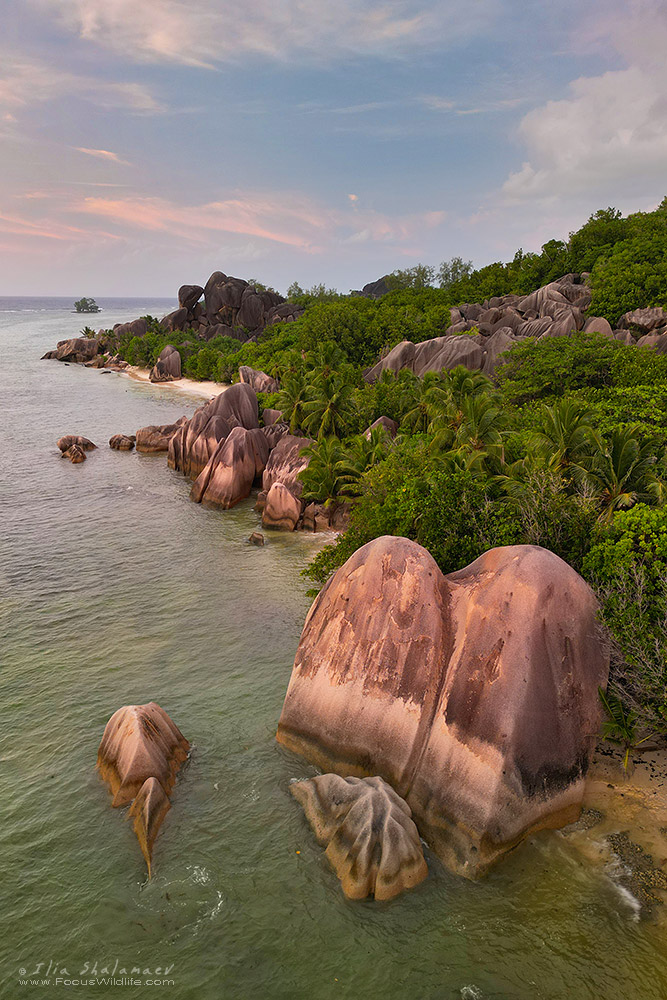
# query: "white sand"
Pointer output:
{"type": "Point", "coordinates": [208, 390]}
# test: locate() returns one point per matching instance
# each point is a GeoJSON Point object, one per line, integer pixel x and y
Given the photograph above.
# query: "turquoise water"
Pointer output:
{"type": "Point", "coordinates": [115, 589]}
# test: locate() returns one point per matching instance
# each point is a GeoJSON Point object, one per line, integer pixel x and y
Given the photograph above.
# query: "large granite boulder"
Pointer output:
{"type": "Point", "coordinates": [475, 695]}
{"type": "Point", "coordinates": [367, 829]}
{"type": "Point", "coordinates": [75, 454]}
{"type": "Point", "coordinates": [139, 756]}
{"type": "Point", "coordinates": [286, 462]}
{"type": "Point", "coordinates": [189, 296]}
{"type": "Point", "coordinates": [259, 381]}
{"type": "Point", "coordinates": [136, 328]}
{"type": "Point", "coordinates": [282, 510]}
{"type": "Point", "coordinates": [646, 320]}
{"type": "Point", "coordinates": [168, 366]}
{"type": "Point", "coordinates": [229, 473]}
{"type": "Point", "coordinates": [176, 320]}
{"type": "Point", "coordinates": [156, 437]}
{"type": "Point", "coordinates": [386, 423]}
{"type": "Point", "coordinates": [497, 345]}
{"type": "Point", "coordinates": [396, 360]}
{"type": "Point", "coordinates": [189, 451]}
{"type": "Point", "coordinates": [598, 324]}
{"type": "Point", "coordinates": [78, 350]}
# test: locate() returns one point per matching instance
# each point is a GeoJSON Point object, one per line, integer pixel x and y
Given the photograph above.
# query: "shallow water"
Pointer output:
{"type": "Point", "coordinates": [115, 589]}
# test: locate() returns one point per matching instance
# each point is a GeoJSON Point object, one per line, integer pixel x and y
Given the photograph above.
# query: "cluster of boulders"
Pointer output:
{"type": "Point", "coordinates": [474, 695]}
{"type": "Point", "coordinates": [140, 754]}
{"type": "Point", "coordinates": [74, 447]}
{"type": "Point", "coordinates": [493, 327]}
{"type": "Point", "coordinates": [232, 307]}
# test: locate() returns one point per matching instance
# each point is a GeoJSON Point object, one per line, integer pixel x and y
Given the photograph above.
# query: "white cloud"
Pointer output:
{"type": "Point", "coordinates": [209, 32]}
{"type": "Point", "coordinates": [608, 137]}
{"type": "Point", "coordinates": [103, 154]}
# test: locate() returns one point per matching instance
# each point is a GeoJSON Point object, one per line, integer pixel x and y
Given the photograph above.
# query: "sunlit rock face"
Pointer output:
{"type": "Point", "coordinates": [367, 830]}
{"type": "Point", "coordinates": [475, 695]}
{"type": "Point", "coordinates": [140, 754]}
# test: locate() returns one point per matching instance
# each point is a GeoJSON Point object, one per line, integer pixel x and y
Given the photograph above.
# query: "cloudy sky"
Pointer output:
{"type": "Point", "coordinates": [146, 143]}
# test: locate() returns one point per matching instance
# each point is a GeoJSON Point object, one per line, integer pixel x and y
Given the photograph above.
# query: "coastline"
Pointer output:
{"type": "Point", "coordinates": [208, 390]}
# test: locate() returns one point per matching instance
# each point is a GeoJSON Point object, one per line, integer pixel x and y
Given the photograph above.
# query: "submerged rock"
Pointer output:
{"type": "Point", "coordinates": [257, 538]}
{"type": "Point", "coordinates": [66, 442]}
{"type": "Point", "coordinates": [140, 754]}
{"type": "Point", "coordinates": [367, 830]}
{"type": "Point", "coordinates": [475, 695]}
{"type": "Point", "coordinates": [75, 453]}
{"type": "Point", "coordinates": [122, 442]}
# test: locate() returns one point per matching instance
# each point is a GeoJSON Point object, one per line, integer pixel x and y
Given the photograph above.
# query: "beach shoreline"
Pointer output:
{"type": "Point", "coordinates": [189, 386]}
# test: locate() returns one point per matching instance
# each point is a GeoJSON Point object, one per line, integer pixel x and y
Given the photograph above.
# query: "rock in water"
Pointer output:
{"type": "Point", "coordinates": [122, 442]}
{"type": "Point", "coordinates": [149, 809]}
{"type": "Point", "coordinates": [66, 442]}
{"type": "Point", "coordinates": [139, 756]}
{"type": "Point", "coordinates": [75, 453]}
{"type": "Point", "coordinates": [475, 695]}
{"type": "Point", "coordinates": [367, 829]}
{"type": "Point", "coordinates": [282, 510]}
{"type": "Point", "coordinates": [156, 437]}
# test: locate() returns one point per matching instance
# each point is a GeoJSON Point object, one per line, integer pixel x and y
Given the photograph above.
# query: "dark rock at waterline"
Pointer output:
{"type": "Point", "coordinates": [139, 756]}
{"type": "Point", "coordinates": [367, 830]}
{"type": "Point", "coordinates": [66, 442]}
{"type": "Point", "coordinates": [122, 442]}
{"type": "Point", "coordinates": [257, 538]}
{"type": "Point", "coordinates": [156, 437]}
{"type": "Point", "coordinates": [487, 718]}
{"type": "Point", "coordinates": [77, 349]}
{"type": "Point", "coordinates": [229, 473]}
{"type": "Point", "coordinates": [75, 454]}
{"type": "Point", "coordinates": [282, 510]}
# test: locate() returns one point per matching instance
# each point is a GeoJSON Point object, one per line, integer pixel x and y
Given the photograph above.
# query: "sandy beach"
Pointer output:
{"type": "Point", "coordinates": [207, 390]}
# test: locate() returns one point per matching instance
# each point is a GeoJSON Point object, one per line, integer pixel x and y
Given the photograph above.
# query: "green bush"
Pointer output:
{"type": "Point", "coordinates": [628, 568]}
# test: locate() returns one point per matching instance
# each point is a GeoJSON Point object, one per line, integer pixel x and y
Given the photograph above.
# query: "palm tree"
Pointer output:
{"type": "Point", "coordinates": [483, 426]}
{"type": "Point", "coordinates": [329, 407]}
{"type": "Point", "coordinates": [425, 402]}
{"type": "Point", "coordinates": [359, 455]}
{"type": "Point", "coordinates": [620, 471]}
{"type": "Point", "coordinates": [565, 434]}
{"type": "Point", "coordinates": [327, 357]}
{"type": "Point", "coordinates": [292, 398]}
{"type": "Point", "coordinates": [321, 478]}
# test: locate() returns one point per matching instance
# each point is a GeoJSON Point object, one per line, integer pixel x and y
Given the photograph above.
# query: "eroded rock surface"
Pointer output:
{"type": "Point", "coordinates": [122, 442]}
{"type": "Point", "coordinates": [286, 462]}
{"type": "Point", "coordinates": [168, 365]}
{"type": "Point", "coordinates": [282, 510]}
{"type": "Point", "coordinates": [156, 437]}
{"type": "Point", "coordinates": [367, 829]}
{"type": "Point", "coordinates": [66, 442]}
{"type": "Point", "coordinates": [474, 695]}
{"type": "Point", "coordinates": [139, 756]}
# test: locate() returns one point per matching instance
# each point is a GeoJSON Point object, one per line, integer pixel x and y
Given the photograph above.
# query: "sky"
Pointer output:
{"type": "Point", "coordinates": [146, 143]}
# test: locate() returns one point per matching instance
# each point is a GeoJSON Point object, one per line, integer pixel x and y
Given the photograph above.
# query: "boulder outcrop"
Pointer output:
{"type": "Point", "coordinates": [386, 423]}
{"type": "Point", "coordinates": [156, 437]}
{"type": "Point", "coordinates": [66, 442]}
{"type": "Point", "coordinates": [475, 695]}
{"type": "Point", "coordinates": [168, 365]}
{"type": "Point", "coordinates": [122, 442]}
{"type": "Point", "coordinates": [75, 454]}
{"type": "Point", "coordinates": [139, 756]}
{"type": "Point", "coordinates": [193, 446]}
{"type": "Point", "coordinates": [229, 473]}
{"type": "Point", "coordinates": [286, 462]}
{"type": "Point", "coordinates": [259, 381]}
{"type": "Point", "coordinates": [367, 829]}
{"type": "Point", "coordinates": [77, 349]}
{"type": "Point", "coordinates": [282, 510]}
